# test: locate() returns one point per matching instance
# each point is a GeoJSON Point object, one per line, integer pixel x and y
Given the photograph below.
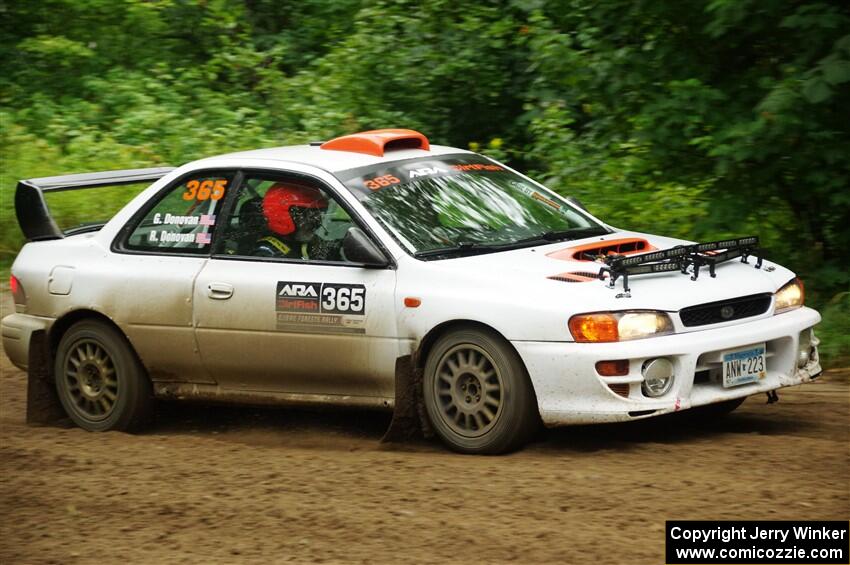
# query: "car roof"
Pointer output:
{"type": "Point", "coordinates": [333, 161]}
{"type": "Point", "coordinates": [349, 152]}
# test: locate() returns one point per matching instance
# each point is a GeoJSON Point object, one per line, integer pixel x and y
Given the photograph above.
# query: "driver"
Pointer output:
{"type": "Point", "coordinates": [293, 213]}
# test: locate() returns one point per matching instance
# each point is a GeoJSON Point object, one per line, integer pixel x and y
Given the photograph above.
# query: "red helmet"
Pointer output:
{"type": "Point", "coordinates": [281, 197]}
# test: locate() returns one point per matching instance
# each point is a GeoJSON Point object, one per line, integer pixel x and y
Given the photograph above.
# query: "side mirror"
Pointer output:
{"type": "Point", "coordinates": [576, 202]}
{"type": "Point", "coordinates": [358, 248]}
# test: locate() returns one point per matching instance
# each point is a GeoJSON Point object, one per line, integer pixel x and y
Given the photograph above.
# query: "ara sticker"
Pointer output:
{"type": "Point", "coordinates": [314, 307]}
{"type": "Point", "coordinates": [425, 172]}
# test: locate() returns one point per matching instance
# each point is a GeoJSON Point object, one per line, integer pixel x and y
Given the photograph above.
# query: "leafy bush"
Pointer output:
{"type": "Point", "coordinates": [834, 331]}
{"type": "Point", "coordinates": [695, 118]}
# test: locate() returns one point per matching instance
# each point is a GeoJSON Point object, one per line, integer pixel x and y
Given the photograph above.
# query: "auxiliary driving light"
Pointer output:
{"type": "Point", "coordinates": [657, 376]}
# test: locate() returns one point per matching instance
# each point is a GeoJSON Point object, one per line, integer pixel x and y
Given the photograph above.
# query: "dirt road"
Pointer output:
{"type": "Point", "coordinates": [226, 485]}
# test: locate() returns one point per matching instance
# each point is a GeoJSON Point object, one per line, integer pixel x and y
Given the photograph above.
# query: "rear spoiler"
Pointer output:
{"type": "Point", "coordinates": [31, 209]}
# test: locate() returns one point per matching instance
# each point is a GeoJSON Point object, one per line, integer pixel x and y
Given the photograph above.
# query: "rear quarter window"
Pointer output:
{"type": "Point", "coordinates": [184, 218]}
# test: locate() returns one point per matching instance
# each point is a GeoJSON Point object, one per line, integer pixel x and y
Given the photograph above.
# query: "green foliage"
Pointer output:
{"type": "Point", "coordinates": [694, 118]}
{"type": "Point", "coordinates": [834, 331]}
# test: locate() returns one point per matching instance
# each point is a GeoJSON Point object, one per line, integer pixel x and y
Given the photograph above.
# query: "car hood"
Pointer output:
{"type": "Point", "coordinates": [529, 271]}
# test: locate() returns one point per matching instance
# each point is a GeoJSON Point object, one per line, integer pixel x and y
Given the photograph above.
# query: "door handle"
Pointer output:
{"type": "Point", "coordinates": [219, 291]}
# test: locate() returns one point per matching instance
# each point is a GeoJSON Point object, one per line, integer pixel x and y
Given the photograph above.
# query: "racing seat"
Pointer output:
{"type": "Point", "coordinates": [252, 226]}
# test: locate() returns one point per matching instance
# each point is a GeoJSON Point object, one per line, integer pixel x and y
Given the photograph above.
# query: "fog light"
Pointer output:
{"type": "Point", "coordinates": [657, 376]}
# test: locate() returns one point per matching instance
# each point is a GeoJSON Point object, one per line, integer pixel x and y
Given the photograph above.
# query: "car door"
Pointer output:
{"type": "Point", "coordinates": [157, 256]}
{"type": "Point", "coordinates": [312, 325]}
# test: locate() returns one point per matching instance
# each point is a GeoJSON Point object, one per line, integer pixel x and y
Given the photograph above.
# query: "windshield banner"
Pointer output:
{"type": "Point", "coordinates": [366, 180]}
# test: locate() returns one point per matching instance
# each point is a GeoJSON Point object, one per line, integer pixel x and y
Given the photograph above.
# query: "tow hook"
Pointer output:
{"type": "Point", "coordinates": [772, 396]}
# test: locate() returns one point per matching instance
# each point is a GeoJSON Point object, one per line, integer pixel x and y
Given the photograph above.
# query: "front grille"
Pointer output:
{"type": "Point", "coordinates": [620, 388]}
{"type": "Point", "coordinates": [725, 310]}
{"type": "Point", "coordinates": [701, 377]}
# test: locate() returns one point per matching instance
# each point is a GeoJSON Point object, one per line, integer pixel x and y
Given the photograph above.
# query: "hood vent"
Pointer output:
{"type": "Point", "coordinates": [593, 251]}
{"type": "Point", "coordinates": [578, 276]}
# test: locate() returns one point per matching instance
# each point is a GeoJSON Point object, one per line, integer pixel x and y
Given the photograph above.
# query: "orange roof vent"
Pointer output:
{"type": "Point", "coordinates": [378, 141]}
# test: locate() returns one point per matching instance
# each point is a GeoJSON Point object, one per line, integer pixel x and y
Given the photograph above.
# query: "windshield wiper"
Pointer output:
{"type": "Point", "coordinates": [574, 233]}
{"type": "Point", "coordinates": [460, 247]}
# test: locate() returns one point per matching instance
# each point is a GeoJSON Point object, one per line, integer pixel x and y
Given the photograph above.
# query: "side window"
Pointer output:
{"type": "Point", "coordinates": [286, 218]}
{"type": "Point", "coordinates": [183, 221]}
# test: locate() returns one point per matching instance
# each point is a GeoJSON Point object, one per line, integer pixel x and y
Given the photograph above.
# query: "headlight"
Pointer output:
{"type": "Point", "coordinates": [789, 296]}
{"type": "Point", "coordinates": [619, 326]}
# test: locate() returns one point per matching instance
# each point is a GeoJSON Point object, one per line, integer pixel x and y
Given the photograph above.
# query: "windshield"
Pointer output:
{"type": "Point", "coordinates": [464, 204]}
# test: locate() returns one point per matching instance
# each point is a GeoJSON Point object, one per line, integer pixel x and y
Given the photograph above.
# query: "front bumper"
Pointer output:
{"type": "Point", "coordinates": [569, 390]}
{"type": "Point", "coordinates": [17, 330]}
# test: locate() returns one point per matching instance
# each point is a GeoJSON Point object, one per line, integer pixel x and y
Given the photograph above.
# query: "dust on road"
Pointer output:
{"type": "Point", "coordinates": [214, 484]}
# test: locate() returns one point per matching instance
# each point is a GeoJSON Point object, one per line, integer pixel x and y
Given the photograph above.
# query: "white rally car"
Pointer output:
{"type": "Point", "coordinates": [378, 270]}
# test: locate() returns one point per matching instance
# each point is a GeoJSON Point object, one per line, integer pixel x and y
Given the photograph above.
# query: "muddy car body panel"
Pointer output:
{"type": "Point", "coordinates": [209, 319]}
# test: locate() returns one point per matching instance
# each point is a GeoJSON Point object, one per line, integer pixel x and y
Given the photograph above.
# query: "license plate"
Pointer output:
{"type": "Point", "coordinates": [744, 366]}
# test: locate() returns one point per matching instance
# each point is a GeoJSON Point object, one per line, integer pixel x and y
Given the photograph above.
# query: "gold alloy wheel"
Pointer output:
{"type": "Point", "coordinates": [91, 380]}
{"type": "Point", "coordinates": [469, 390]}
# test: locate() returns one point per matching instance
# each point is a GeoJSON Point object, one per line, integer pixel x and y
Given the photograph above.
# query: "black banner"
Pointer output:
{"type": "Point", "coordinates": [758, 542]}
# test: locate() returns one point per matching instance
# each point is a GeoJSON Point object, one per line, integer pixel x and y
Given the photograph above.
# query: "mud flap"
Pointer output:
{"type": "Point", "coordinates": [409, 418]}
{"type": "Point", "coordinates": [43, 406]}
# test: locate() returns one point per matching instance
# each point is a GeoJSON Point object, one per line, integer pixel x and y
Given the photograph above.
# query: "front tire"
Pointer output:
{"type": "Point", "coordinates": [710, 412]}
{"type": "Point", "coordinates": [99, 380]}
{"type": "Point", "coordinates": [477, 393]}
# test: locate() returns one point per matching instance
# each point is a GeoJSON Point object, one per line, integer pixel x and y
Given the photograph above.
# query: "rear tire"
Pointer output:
{"type": "Point", "coordinates": [477, 393]}
{"type": "Point", "coordinates": [100, 382]}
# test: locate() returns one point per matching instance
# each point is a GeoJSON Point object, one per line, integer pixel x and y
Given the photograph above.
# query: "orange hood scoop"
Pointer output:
{"type": "Point", "coordinates": [599, 249]}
